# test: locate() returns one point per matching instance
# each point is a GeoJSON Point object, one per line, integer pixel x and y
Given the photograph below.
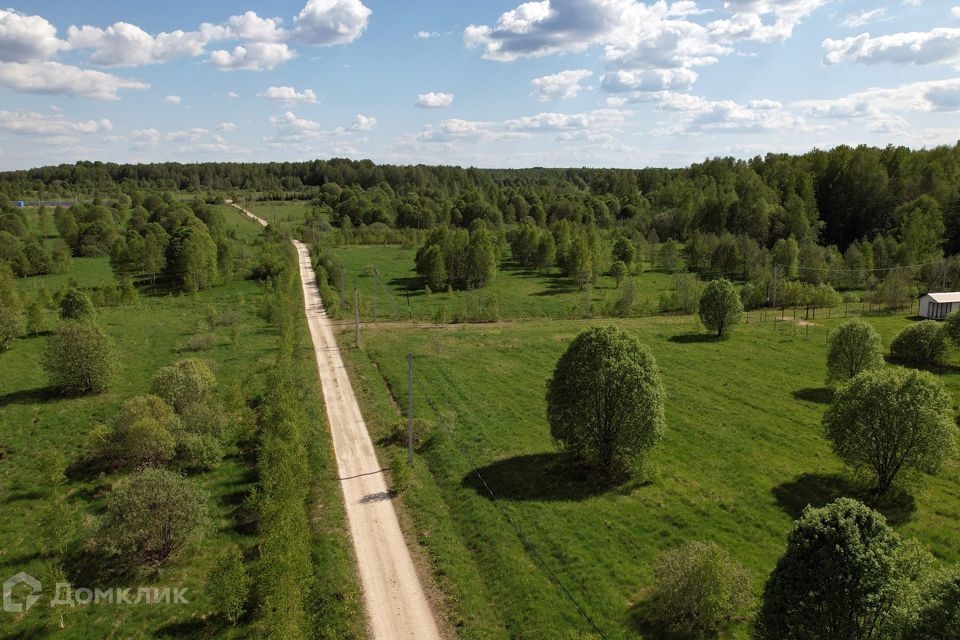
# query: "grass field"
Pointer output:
{"type": "Point", "coordinates": [280, 211]}
{"type": "Point", "coordinates": [149, 335]}
{"type": "Point", "coordinates": [744, 452]}
{"type": "Point", "coordinates": [521, 293]}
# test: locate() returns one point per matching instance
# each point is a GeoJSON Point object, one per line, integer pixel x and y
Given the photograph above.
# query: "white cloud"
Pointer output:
{"type": "Point", "coordinates": [192, 135]}
{"type": "Point", "coordinates": [290, 122]}
{"type": "Point", "coordinates": [648, 80]}
{"type": "Point", "coordinates": [559, 86]}
{"type": "Point", "coordinates": [363, 123]}
{"type": "Point", "coordinates": [289, 96]}
{"type": "Point", "coordinates": [864, 17]}
{"type": "Point", "coordinates": [329, 22]}
{"type": "Point", "coordinates": [255, 56]}
{"type": "Point", "coordinates": [923, 97]}
{"type": "Point", "coordinates": [434, 100]}
{"type": "Point", "coordinates": [226, 127]}
{"type": "Point", "coordinates": [598, 118]}
{"type": "Point", "coordinates": [172, 100]}
{"type": "Point", "coordinates": [455, 129]}
{"type": "Point", "coordinates": [127, 45]}
{"type": "Point", "coordinates": [940, 45]}
{"type": "Point", "coordinates": [61, 79]}
{"type": "Point", "coordinates": [31, 123]}
{"type": "Point", "coordinates": [252, 28]}
{"type": "Point", "coordinates": [233, 95]}
{"type": "Point", "coordinates": [955, 11]}
{"type": "Point", "coordinates": [144, 139]}
{"type": "Point", "coordinates": [424, 35]}
{"type": "Point", "coordinates": [24, 37]}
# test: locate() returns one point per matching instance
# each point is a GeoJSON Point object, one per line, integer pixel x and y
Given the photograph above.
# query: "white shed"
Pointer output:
{"type": "Point", "coordinates": [938, 306]}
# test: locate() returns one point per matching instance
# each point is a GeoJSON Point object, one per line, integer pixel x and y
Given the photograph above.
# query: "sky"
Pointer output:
{"type": "Point", "coordinates": [487, 83]}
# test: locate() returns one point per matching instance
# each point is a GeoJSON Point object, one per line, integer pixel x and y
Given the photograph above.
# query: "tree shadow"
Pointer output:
{"type": "Point", "coordinates": [643, 618]}
{"type": "Point", "coordinates": [691, 338]}
{"type": "Point", "coordinates": [543, 476]}
{"type": "Point", "coordinates": [193, 628]}
{"type": "Point", "coordinates": [819, 489]}
{"type": "Point", "coordinates": [29, 396]}
{"type": "Point", "coordinates": [411, 285]}
{"type": "Point", "coordinates": [820, 395]}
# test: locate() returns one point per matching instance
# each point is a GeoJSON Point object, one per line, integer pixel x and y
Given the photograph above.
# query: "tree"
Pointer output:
{"type": "Point", "coordinates": [183, 383]}
{"type": "Point", "coordinates": [939, 615]}
{"type": "Point", "coordinates": [430, 264]}
{"type": "Point", "coordinates": [921, 343]}
{"type": "Point", "coordinates": [891, 420]}
{"type": "Point", "coordinates": [619, 271]}
{"type": "Point", "coordinates": [720, 306]}
{"type": "Point", "coordinates": [624, 251]}
{"type": "Point", "coordinates": [228, 584]}
{"type": "Point", "coordinates": [76, 305]}
{"type": "Point", "coordinates": [951, 328]}
{"type": "Point", "coordinates": [481, 258]}
{"type": "Point", "coordinates": [605, 399]}
{"type": "Point", "coordinates": [11, 309]}
{"type": "Point", "coordinates": [80, 358]}
{"type": "Point", "coordinates": [154, 514]}
{"type": "Point", "coordinates": [853, 347]}
{"type": "Point", "coordinates": [144, 433]}
{"type": "Point", "coordinates": [192, 257]}
{"type": "Point", "coordinates": [36, 317]}
{"type": "Point", "coordinates": [786, 254]}
{"type": "Point", "coordinates": [835, 579]}
{"type": "Point", "coordinates": [699, 588]}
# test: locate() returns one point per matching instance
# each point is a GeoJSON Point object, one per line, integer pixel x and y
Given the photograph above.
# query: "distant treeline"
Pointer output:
{"type": "Point", "coordinates": [833, 197]}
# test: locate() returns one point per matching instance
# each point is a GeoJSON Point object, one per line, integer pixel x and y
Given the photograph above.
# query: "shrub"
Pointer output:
{"type": "Point", "coordinates": [184, 383]}
{"type": "Point", "coordinates": [199, 342]}
{"type": "Point", "coordinates": [398, 434]}
{"type": "Point", "coordinates": [892, 420]}
{"type": "Point", "coordinates": [939, 615]}
{"type": "Point", "coordinates": [699, 588]}
{"type": "Point", "coordinates": [619, 271]}
{"type": "Point", "coordinates": [153, 515]}
{"type": "Point", "coordinates": [209, 418]}
{"type": "Point", "coordinates": [835, 580]}
{"type": "Point", "coordinates": [853, 347]}
{"type": "Point", "coordinates": [11, 309]}
{"type": "Point", "coordinates": [144, 443]}
{"type": "Point", "coordinates": [921, 343]}
{"type": "Point", "coordinates": [51, 467]}
{"type": "Point", "coordinates": [76, 305]}
{"type": "Point", "coordinates": [80, 358]}
{"type": "Point", "coordinates": [608, 363]}
{"type": "Point", "coordinates": [951, 328]}
{"type": "Point", "coordinates": [198, 451]}
{"type": "Point", "coordinates": [228, 584]}
{"type": "Point", "coordinates": [720, 306]}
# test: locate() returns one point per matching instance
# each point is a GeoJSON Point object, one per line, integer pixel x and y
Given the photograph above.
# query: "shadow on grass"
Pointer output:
{"type": "Point", "coordinates": [542, 476]}
{"type": "Point", "coordinates": [691, 338]}
{"type": "Point", "coordinates": [820, 395]}
{"type": "Point", "coordinates": [413, 286]}
{"type": "Point", "coordinates": [192, 628]}
{"type": "Point", "coordinates": [818, 489]}
{"type": "Point", "coordinates": [29, 396]}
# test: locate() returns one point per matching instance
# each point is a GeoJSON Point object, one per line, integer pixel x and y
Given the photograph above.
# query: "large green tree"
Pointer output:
{"type": "Point", "coordinates": [853, 347]}
{"type": "Point", "coordinates": [605, 399]}
{"type": "Point", "coordinates": [720, 306]}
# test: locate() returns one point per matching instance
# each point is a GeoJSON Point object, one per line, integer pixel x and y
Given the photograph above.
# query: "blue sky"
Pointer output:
{"type": "Point", "coordinates": [485, 83]}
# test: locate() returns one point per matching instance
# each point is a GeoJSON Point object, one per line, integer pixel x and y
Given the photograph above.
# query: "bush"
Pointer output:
{"type": "Point", "coordinates": [720, 306]}
{"type": "Point", "coordinates": [80, 358]}
{"type": "Point", "coordinates": [892, 420]}
{"type": "Point", "coordinates": [835, 580]}
{"type": "Point", "coordinates": [922, 343]}
{"type": "Point", "coordinates": [144, 443]}
{"type": "Point", "coordinates": [76, 305]}
{"type": "Point", "coordinates": [699, 588]}
{"type": "Point", "coordinates": [11, 309]}
{"type": "Point", "coordinates": [618, 270]}
{"type": "Point", "coordinates": [853, 347]}
{"type": "Point", "coordinates": [398, 434]}
{"type": "Point", "coordinates": [939, 616]}
{"type": "Point", "coordinates": [153, 515]}
{"type": "Point", "coordinates": [199, 342]}
{"type": "Point", "coordinates": [209, 418]}
{"type": "Point", "coordinates": [184, 383]}
{"type": "Point", "coordinates": [606, 362]}
{"type": "Point", "coordinates": [198, 451]}
{"type": "Point", "coordinates": [228, 584]}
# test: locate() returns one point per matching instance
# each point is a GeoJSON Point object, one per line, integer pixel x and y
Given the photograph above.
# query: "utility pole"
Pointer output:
{"type": "Point", "coordinates": [776, 273]}
{"type": "Point", "coordinates": [341, 288]}
{"type": "Point", "coordinates": [586, 310]}
{"type": "Point", "coordinates": [356, 314]}
{"type": "Point", "coordinates": [409, 308]}
{"type": "Point", "coordinates": [410, 409]}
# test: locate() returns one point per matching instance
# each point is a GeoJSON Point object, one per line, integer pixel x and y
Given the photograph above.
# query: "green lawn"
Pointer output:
{"type": "Point", "coordinates": [744, 452]}
{"type": "Point", "coordinates": [149, 335]}
{"type": "Point", "coordinates": [273, 212]}
{"type": "Point", "coordinates": [521, 293]}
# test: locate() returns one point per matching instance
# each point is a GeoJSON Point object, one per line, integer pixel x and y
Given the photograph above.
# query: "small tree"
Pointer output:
{"type": "Point", "coordinates": [144, 443]}
{"type": "Point", "coordinates": [154, 514]}
{"type": "Point", "coordinates": [605, 399]}
{"type": "Point", "coordinates": [619, 271]}
{"type": "Point", "coordinates": [951, 328]}
{"type": "Point", "coordinates": [720, 306]}
{"type": "Point", "coordinates": [922, 343]}
{"type": "Point", "coordinates": [80, 358]}
{"type": "Point", "coordinates": [11, 309]}
{"type": "Point", "coordinates": [36, 317]}
{"type": "Point", "coordinates": [184, 383]}
{"type": "Point", "coordinates": [835, 580]}
{"type": "Point", "coordinates": [700, 588]}
{"type": "Point", "coordinates": [891, 420]}
{"type": "Point", "coordinates": [624, 251]}
{"type": "Point", "coordinates": [228, 584]}
{"type": "Point", "coordinates": [76, 305]}
{"type": "Point", "coordinates": [939, 616]}
{"type": "Point", "coordinates": [854, 346]}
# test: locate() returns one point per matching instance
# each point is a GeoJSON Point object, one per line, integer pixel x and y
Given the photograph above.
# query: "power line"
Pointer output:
{"type": "Point", "coordinates": [516, 527]}
{"type": "Point", "coordinates": [838, 270]}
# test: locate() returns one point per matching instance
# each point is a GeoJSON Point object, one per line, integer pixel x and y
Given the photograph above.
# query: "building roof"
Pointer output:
{"type": "Point", "coordinates": [953, 296]}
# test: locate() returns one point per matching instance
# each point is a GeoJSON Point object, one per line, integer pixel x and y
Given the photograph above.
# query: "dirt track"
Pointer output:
{"type": "Point", "coordinates": [396, 605]}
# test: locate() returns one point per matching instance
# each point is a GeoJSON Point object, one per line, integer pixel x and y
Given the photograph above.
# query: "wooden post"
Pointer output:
{"type": "Point", "coordinates": [356, 314]}
{"type": "Point", "coordinates": [410, 409]}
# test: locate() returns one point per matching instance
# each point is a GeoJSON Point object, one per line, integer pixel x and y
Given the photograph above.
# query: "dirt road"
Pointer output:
{"type": "Point", "coordinates": [396, 605]}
